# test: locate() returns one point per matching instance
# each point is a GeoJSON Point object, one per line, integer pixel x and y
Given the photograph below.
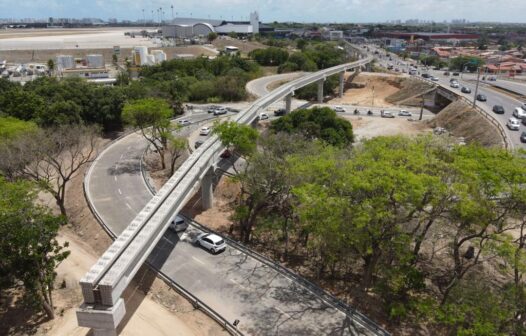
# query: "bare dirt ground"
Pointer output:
{"type": "Point", "coordinates": [370, 127]}
{"type": "Point", "coordinates": [153, 307]}
{"type": "Point", "coordinates": [377, 89]}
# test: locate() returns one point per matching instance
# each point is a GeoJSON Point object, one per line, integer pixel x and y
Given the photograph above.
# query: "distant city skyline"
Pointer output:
{"type": "Point", "coordinates": [360, 11]}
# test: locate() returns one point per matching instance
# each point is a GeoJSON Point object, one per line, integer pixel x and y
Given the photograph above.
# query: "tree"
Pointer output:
{"type": "Point", "coordinates": [29, 251]}
{"type": "Point", "coordinates": [177, 146]}
{"type": "Point", "coordinates": [51, 65]}
{"type": "Point", "coordinates": [11, 128]}
{"type": "Point", "coordinates": [316, 123]}
{"type": "Point", "coordinates": [114, 58]}
{"type": "Point", "coordinates": [50, 157]}
{"type": "Point", "coordinates": [212, 36]}
{"type": "Point", "coordinates": [301, 44]}
{"type": "Point", "coordinates": [152, 117]}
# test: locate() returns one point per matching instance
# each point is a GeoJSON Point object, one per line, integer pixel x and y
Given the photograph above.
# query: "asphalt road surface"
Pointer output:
{"type": "Point", "coordinates": [493, 97]}
{"type": "Point", "coordinates": [237, 286]}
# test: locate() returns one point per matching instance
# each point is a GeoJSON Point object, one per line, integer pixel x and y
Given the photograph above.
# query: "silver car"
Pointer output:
{"type": "Point", "coordinates": [211, 242]}
{"type": "Point", "coordinates": [513, 124]}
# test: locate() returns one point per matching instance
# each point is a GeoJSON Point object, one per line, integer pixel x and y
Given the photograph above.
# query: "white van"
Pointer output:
{"type": "Point", "coordinates": [178, 224]}
{"type": "Point", "coordinates": [519, 113]}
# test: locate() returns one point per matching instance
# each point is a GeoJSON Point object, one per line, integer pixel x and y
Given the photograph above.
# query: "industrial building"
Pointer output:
{"type": "Point", "coordinates": [189, 27]}
{"type": "Point", "coordinates": [141, 57]}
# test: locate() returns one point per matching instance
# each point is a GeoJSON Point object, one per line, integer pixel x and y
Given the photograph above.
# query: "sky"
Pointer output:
{"type": "Point", "coordinates": [274, 10]}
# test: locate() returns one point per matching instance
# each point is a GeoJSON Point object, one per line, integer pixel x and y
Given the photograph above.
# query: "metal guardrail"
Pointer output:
{"type": "Point", "coordinates": [507, 144]}
{"type": "Point", "coordinates": [315, 289]}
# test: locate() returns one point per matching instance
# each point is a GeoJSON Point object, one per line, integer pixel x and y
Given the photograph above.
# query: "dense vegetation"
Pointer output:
{"type": "Point", "coordinates": [29, 251]}
{"type": "Point", "coordinates": [431, 231]}
{"type": "Point", "coordinates": [317, 123]}
{"type": "Point", "coordinates": [52, 102]}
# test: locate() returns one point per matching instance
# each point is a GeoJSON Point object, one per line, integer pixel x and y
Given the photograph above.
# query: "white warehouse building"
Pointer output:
{"type": "Point", "coordinates": [189, 27]}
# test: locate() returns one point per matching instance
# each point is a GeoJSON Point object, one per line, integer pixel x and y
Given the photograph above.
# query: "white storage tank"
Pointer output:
{"type": "Point", "coordinates": [95, 61]}
{"type": "Point", "coordinates": [159, 55]}
{"type": "Point", "coordinates": [140, 55]}
{"type": "Point", "coordinates": [65, 62]}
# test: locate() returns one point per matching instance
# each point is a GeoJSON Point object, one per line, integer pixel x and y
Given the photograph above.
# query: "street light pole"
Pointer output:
{"type": "Point", "coordinates": [476, 88]}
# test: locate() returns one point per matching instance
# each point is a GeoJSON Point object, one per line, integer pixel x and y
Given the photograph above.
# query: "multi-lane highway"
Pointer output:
{"type": "Point", "coordinates": [493, 97]}
{"type": "Point", "coordinates": [264, 299]}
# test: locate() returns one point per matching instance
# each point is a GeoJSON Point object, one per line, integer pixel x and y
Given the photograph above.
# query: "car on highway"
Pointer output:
{"type": "Point", "coordinates": [183, 122]}
{"type": "Point", "coordinates": [280, 112]}
{"type": "Point", "coordinates": [220, 110]}
{"type": "Point", "coordinates": [465, 89]}
{"type": "Point", "coordinates": [492, 78]}
{"type": "Point", "coordinates": [263, 116]}
{"type": "Point", "coordinates": [387, 114]}
{"type": "Point", "coordinates": [426, 75]}
{"type": "Point", "coordinates": [481, 97]}
{"type": "Point", "coordinates": [456, 74]}
{"type": "Point", "coordinates": [523, 137]}
{"type": "Point", "coordinates": [446, 73]}
{"type": "Point", "coordinates": [405, 113]}
{"type": "Point", "coordinates": [212, 108]}
{"type": "Point", "coordinates": [198, 143]}
{"type": "Point", "coordinates": [412, 72]}
{"type": "Point", "coordinates": [205, 130]}
{"type": "Point", "coordinates": [513, 124]}
{"type": "Point", "coordinates": [434, 79]}
{"type": "Point", "coordinates": [454, 85]}
{"type": "Point", "coordinates": [211, 242]}
{"type": "Point", "coordinates": [518, 112]}
{"type": "Point", "coordinates": [339, 109]}
{"type": "Point", "coordinates": [498, 109]}
{"type": "Point", "coordinates": [178, 224]}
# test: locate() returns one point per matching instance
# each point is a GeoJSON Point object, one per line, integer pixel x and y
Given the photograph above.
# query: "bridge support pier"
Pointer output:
{"type": "Point", "coordinates": [288, 103]}
{"type": "Point", "coordinates": [207, 190]}
{"type": "Point", "coordinates": [342, 83]}
{"type": "Point", "coordinates": [320, 91]}
{"type": "Point", "coordinates": [103, 320]}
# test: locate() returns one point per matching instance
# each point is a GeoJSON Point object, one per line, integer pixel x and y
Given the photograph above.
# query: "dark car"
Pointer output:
{"type": "Point", "coordinates": [446, 73]}
{"type": "Point", "coordinates": [456, 74]}
{"type": "Point", "coordinates": [280, 112]}
{"type": "Point", "coordinates": [465, 89]}
{"type": "Point", "coordinates": [481, 97]}
{"type": "Point", "coordinates": [198, 143]}
{"type": "Point", "coordinates": [425, 75]}
{"type": "Point", "coordinates": [498, 109]}
{"type": "Point", "coordinates": [523, 137]}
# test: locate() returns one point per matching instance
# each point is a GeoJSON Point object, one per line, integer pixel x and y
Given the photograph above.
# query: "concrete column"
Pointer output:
{"type": "Point", "coordinates": [342, 83]}
{"type": "Point", "coordinates": [102, 320]}
{"type": "Point", "coordinates": [288, 103]}
{"type": "Point", "coordinates": [320, 91]}
{"type": "Point", "coordinates": [207, 190]}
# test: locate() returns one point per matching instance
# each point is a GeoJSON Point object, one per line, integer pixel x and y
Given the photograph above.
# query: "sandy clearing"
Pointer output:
{"type": "Point", "coordinates": [383, 85]}
{"type": "Point", "coordinates": [150, 318]}
{"type": "Point", "coordinates": [370, 127]}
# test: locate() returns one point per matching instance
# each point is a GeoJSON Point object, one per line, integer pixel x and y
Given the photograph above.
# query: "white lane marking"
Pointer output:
{"type": "Point", "coordinates": [120, 192]}
{"type": "Point", "coordinates": [168, 240]}
{"type": "Point", "coordinates": [115, 178]}
{"type": "Point", "coordinates": [129, 206]}
{"type": "Point", "coordinates": [198, 260]}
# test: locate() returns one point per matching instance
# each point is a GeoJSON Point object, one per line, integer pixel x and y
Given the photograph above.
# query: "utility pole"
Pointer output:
{"type": "Point", "coordinates": [373, 95]}
{"type": "Point", "coordinates": [143, 17]}
{"type": "Point", "coordinates": [476, 88]}
{"type": "Point", "coordinates": [172, 12]}
{"type": "Point", "coordinates": [422, 108]}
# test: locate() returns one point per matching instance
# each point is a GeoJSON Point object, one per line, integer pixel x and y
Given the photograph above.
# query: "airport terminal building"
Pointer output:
{"type": "Point", "coordinates": [190, 27]}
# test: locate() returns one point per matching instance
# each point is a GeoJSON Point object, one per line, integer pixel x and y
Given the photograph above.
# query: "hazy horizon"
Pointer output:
{"type": "Point", "coordinates": [359, 11]}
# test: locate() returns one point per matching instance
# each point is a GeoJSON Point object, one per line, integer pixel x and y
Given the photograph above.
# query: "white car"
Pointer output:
{"type": "Point", "coordinates": [454, 85]}
{"type": "Point", "coordinates": [387, 114]}
{"type": "Point", "coordinates": [220, 110]}
{"type": "Point", "coordinates": [263, 116]}
{"type": "Point", "coordinates": [339, 109]}
{"type": "Point", "coordinates": [405, 113]}
{"type": "Point", "coordinates": [518, 112]}
{"type": "Point", "coordinates": [513, 124]}
{"type": "Point", "coordinates": [205, 130]}
{"type": "Point", "coordinates": [184, 122]}
{"type": "Point", "coordinates": [178, 224]}
{"type": "Point", "coordinates": [211, 242]}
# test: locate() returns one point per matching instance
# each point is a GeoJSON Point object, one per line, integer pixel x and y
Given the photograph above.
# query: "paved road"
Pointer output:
{"type": "Point", "coordinates": [493, 97]}
{"type": "Point", "coordinates": [237, 286]}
